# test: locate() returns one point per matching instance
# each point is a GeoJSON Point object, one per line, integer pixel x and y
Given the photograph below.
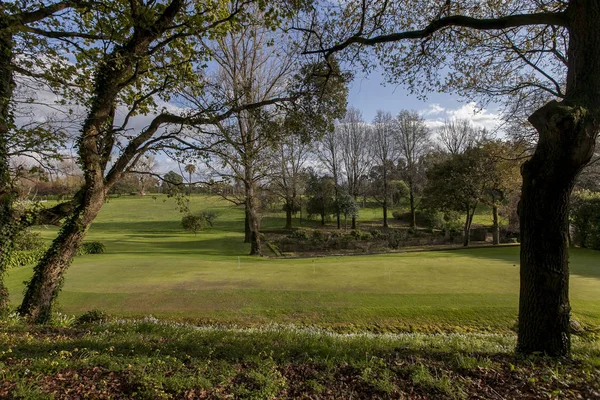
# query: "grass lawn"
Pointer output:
{"type": "Point", "coordinates": [153, 267]}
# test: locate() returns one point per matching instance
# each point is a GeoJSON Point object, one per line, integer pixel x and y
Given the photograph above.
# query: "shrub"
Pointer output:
{"type": "Point", "coordinates": [377, 234]}
{"type": "Point", "coordinates": [585, 218]}
{"type": "Point", "coordinates": [319, 235]}
{"type": "Point", "coordinates": [395, 239]}
{"type": "Point", "coordinates": [92, 316]}
{"type": "Point", "coordinates": [197, 222]}
{"type": "Point", "coordinates": [23, 258]}
{"type": "Point", "coordinates": [91, 248]}
{"type": "Point", "coordinates": [356, 234]}
{"type": "Point", "coordinates": [301, 234]}
{"type": "Point", "coordinates": [28, 241]}
{"type": "Point", "coordinates": [192, 223]}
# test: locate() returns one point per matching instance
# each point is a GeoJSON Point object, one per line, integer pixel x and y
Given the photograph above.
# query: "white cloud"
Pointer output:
{"type": "Point", "coordinates": [479, 117]}
{"type": "Point", "coordinates": [433, 109]}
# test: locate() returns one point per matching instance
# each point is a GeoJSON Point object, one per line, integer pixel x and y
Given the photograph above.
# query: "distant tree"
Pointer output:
{"type": "Point", "coordinates": [356, 152]}
{"type": "Point", "coordinates": [145, 168]}
{"type": "Point", "coordinates": [172, 182]}
{"type": "Point", "coordinates": [457, 135]}
{"type": "Point", "coordinates": [503, 174]}
{"type": "Point", "coordinates": [459, 183]}
{"type": "Point", "coordinates": [413, 141]}
{"type": "Point", "coordinates": [321, 196]}
{"type": "Point", "coordinates": [348, 207]}
{"type": "Point", "coordinates": [190, 169]}
{"type": "Point", "coordinates": [386, 154]}
{"type": "Point", "coordinates": [289, 181]}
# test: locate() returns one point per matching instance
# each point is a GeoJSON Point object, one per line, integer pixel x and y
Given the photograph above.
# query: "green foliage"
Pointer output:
{"type": "Point", "coordinates": [192, 223]}
{"type": "Point", "coordinates": [376, 234]}
{"type": "Point", "coordinates": [320, 191]}
{"type": "Point", "coordinates": [27, 240]}
{"type": "Point", "coordinates": [24, 258]}
{"type": "Point", "coordinates": [91, 248]}
{"type": "Point", "coordinates": [585, 218]}
{"type": "Point", "coordinates": [395, 238]}
{"type": "Point", "coordinates": [92, 316]}
{"type": "Point", "coordinates": [197, 222]}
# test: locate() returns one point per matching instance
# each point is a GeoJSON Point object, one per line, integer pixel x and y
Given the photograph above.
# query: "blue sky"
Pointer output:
{"type": "Point", "coordinates": [371, 93]}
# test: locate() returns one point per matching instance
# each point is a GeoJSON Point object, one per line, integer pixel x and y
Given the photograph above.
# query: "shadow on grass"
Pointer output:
{"type": "Point", "coordinates": [582, 262]}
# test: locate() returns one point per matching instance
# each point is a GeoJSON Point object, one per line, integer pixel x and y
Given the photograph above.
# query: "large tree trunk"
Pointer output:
{"type": "Point", "coordinates": [47, 278]}
{"type": "Point", "coordinates": [7, 194]}
{"type": "Point", "coordinates": [567, 137]}
{"type": "Point", "coordinates": [566, 144]}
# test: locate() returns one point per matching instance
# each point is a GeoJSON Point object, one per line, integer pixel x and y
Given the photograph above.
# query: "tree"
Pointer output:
{"type": "Point", "coordinates": [147, 57]}
{"type": "Point", "coordinates": [20, 20]}
{"type": "Point", "coordinates": [386, 154]}
{"type": "Point", "coordinates": [458, 135]}
{"type": "Point", "coordinates": [329, 154]}
{"type": "Point", "coordinates": [190, 169]}
{"type": "Point", "coordinates": [348, 207]}
{"type": "Point", "coordinates": [291, 163]}
{"type": "Point", "coordinates": [413, 141]}
{"type": "Point", "coordinates": [171, 182]}
{"type": "Point", "coordinates": [503, 165]}
{"type": "Point", "coordinates": [458, 183]}
{"type": "Point", "coordinates": [544, 52]}
{"type": "Point", "coordinates": [321, 196]}
{"type": "Point", "coordinates": [355, 145]}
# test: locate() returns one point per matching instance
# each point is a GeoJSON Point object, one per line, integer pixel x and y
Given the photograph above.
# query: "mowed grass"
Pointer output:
{"type": "Point", "coordinates": [153, 267]}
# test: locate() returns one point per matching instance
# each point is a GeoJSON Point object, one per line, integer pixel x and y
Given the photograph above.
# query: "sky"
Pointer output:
{"type": "Point", "coordinates": [368, 93]}
{"type": "Point", "coordinates": [371, 93]}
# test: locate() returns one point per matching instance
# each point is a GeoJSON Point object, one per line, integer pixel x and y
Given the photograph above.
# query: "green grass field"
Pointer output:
{"type": "Point", "coordinates": [153, 267]}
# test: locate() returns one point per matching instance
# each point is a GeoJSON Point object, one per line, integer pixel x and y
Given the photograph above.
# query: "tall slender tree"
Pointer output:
{"type": "Point", "coordinates": [413, 141]}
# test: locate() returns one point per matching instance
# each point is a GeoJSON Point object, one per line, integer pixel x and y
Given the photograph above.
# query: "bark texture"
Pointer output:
{"type": "Point", "coordinates": [567, 136]}
{"type": "Point", "coordinates": [7, 193]}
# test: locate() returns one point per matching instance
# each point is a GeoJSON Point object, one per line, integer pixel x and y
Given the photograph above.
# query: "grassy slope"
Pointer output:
{"type": "Point", "coordinates": [152, 266]}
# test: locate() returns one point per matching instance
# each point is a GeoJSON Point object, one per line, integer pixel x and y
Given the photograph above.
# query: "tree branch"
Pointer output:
{"type": "Point", "coordinates": [511, 21]}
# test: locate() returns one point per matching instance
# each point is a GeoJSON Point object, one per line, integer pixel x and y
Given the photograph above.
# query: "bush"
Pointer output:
{"type": "Point", "coordinates": [92, 316]}
{"type": "Point", "coordinates": [395, 239]}
{"type": "Point", "coordinates": [28, 241]}
{"type": "Point", "coordinates": [376, 234]}
{"type": "Point", "coordinates": [356, 234]}
{"type": "Point", "coordinates": [23, 258]}
{"type": "Point", "coordinates": [91, 248]}
{"type": "Point", "coordinates": [301, 234]}
{"type": "Point", "coordinates": [585, 219]}
{"type": "Point", "coordinates": [192, 223]}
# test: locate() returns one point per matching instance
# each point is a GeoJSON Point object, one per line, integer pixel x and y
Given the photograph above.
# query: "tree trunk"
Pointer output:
{"type": "Point", "coordinates": [353, 226]}
{"type": "Point", "coordinates": [567, 138]}
{"type": "Point", "coordinates": [44, 286]}
{"type": "Point", "coordinates": [288, 215]}
{"type": "Point", "coordinates": [385, 214]}
{"type": "Point", "coordinates": [7, 194]}
{"type": "Point", "coordinates": [567, 135]}
{"type": "Point", "coordinates": [413, 211]}
{"type": "Point", "coordinates": [496, 226]}
{"type": "Point", "coordinates": [253, 218]}
{"type": "Point", "coordinates": [247, 231]}
{"type": "Point", "coordinates": [385, 196]}
{"type": "Point", "coordinates": [467, 230]}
